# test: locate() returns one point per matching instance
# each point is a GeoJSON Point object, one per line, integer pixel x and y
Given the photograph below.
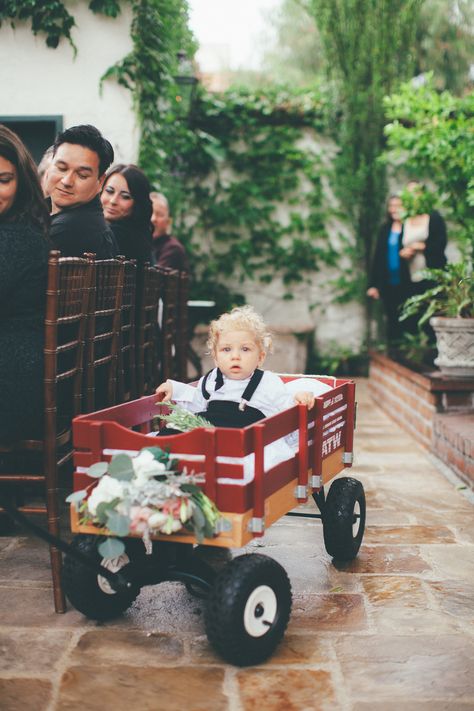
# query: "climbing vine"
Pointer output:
{"type": "Point", "coordinates": [230, 167]}
{"type": "Point", "coordinates": [51, 17]}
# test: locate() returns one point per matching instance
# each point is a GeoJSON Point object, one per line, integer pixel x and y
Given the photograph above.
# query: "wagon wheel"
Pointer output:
{"type": "Point", "coordinates": [344, 518]}
{"type": "Point", "coordinates": [248, 609]}
{"type": "Point", "coordinates": [91, 593]}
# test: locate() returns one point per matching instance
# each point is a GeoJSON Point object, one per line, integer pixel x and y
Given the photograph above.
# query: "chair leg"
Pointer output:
{"type": "Point", "coordinates": [56, 569]}
{"type": "Point", "coordinates": [52, 507]}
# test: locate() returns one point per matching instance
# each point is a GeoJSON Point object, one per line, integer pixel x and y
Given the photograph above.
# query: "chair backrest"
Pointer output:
{"type": "Point", "coordinates": [67, 296]}
{"type": "Point", "coordinates": [169, 324]}
{"type": "Point", "coordinates": [182, 336]}
{"type": "Point", "coordinates": [103, 333]}
{"type": "Point", "coordinates": [149, 293]}
{"type": "Point", "coordinates": [127, 386]}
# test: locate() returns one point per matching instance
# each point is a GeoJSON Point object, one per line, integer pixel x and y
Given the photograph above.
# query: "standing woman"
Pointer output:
{"type": "Point", "coordinates": [424, 238]}
{"type": "Point", "coordinates": [24, 246]}
{"type": "Point", "coordinates": [127, 208]}
{"type": "Point", "coordinates": [389, 278]}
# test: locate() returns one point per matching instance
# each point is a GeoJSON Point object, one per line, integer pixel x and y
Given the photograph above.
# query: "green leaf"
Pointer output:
{"type": "Point", "coordinates": [76, 496]}
{"type": "Point", "coordinates": [97, 470]}
{"type": "Point", "coordinates": [121, 467]}
{"type": "Point", "coordinates": [117, 523]}
{"type": "Point", "coordinates": [103, 509]}
{"type": "Point", "coordinates": [111, 548]}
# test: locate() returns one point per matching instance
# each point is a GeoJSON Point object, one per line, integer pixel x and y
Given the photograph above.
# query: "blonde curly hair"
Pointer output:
{"type": "Point", "coordinates": [241, 318]}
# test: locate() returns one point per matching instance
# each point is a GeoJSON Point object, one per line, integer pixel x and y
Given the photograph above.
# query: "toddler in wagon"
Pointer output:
{"type": "Point", "coordinates": [236, 393]}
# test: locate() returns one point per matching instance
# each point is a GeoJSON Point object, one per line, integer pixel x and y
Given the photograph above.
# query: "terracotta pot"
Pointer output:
{"type": "Point", "coordinates": [455, 343]}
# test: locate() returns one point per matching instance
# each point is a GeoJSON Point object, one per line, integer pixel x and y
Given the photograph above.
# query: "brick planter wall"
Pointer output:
{"type": "Point", "coordinates": [437, 411]}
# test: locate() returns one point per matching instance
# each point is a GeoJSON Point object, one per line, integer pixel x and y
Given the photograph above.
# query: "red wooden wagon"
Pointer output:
{"type": "Point", "coordinates": [249, 600]}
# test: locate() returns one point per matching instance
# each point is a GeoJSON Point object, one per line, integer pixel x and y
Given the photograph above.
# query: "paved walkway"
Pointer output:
{"type": "Point", "coordinates": [394, 629]}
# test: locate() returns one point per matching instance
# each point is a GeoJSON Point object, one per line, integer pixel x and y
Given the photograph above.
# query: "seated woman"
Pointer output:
{"type": "Point", "coordinates": [127, 208]}
{"type": "Point", "coordinates": [24, 246]}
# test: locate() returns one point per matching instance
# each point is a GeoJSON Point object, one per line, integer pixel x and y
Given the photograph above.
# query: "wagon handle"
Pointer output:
{"type": "Point", "coordinates": [118, 580]}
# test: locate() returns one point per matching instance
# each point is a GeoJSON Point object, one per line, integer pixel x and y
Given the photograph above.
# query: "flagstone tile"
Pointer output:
{"type": "Point", "coordinates": [25, 695]}
{"type": "Point", "coordinates": [339, 612]}
{"type": "Point", "coordinates": [107, 646]}
{"type": "Point", "coordinates": [456, 597]}
{"type": "Point", "coordinates": [393, 666]}
{"type": "Point", "coordinates": [412, 621]}
{"type": "Point", "coordinates": [419, 705]}
{"type": "Point", "coordinates": [121, 688]}
{"type": "Point", "coordinates": [415, 534]}
{"type": "Point", "coordinates": [27, 559]}
{"type": "Point", "coordinates": [446, 564]}
{"type": "Point", "coordinates": [386, 559]}
{"type": "Point", "coordinates": [31, 651]}
{"type": "Point", "coordinates": [286, 690]}
{"type": "Point", "coordinates": [302, 649]}
{"type": "Point", "coordinates": [26, 607]}
{"type": "Point", "coordinates": [386, 591]}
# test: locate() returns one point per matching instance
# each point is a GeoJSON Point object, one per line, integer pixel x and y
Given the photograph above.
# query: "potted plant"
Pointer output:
{"type": "Point", "coordinates": [449, 307]}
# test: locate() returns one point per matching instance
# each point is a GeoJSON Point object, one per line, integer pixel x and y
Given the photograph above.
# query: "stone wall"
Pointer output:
{"type": "Point", "coordinates": [437, 411]}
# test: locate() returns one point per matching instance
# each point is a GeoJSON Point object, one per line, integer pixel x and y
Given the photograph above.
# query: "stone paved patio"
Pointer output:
{"type": "Point", "coordinates": [394, 629]}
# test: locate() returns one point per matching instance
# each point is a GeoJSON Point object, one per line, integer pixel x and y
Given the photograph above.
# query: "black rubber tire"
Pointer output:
{"type": "Point", "coordinates": [81, 584]}
{"type": "Point", "coordinates": [338, 518]}
{"type": "Point", "coordinates": [225, 613]}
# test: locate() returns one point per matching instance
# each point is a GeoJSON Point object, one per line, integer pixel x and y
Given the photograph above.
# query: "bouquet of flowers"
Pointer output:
{"type": "Point", "coordinates": [146, 494]}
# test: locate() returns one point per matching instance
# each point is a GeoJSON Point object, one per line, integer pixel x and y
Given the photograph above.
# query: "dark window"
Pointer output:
{"type": "Point", "coordinates": [36, 132]}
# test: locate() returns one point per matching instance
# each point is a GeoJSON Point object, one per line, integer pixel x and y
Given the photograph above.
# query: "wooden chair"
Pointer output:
{"type": "Point", "coordinates": [149, 292]}
{"type": "Point", "coordinates": [103, 334]}
{"type": "Point", "coordinates": [169, 324]}
{"type": "Point", "coordinates": [182, 336]}
{"type": "Point", "coordinates": [127, 386]}
{"type": "Point", "coordinates": [38, 462]}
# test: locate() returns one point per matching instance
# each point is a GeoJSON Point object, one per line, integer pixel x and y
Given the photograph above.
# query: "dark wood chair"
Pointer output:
{"type": "Point", "coordinates": [37, 463]}
{"type": "Point", "coordinates": [169, 324]}
{"type": "Point", "coordinates": [127, 380]}
{"type": "Point", "coordinates": [182, 337]}
{"type": "Point", "coordinates": [149, 292]}
{"type": "Point", "coordinates": [103, 334]}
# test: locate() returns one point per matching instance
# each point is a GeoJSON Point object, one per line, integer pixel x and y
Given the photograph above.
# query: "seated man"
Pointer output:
{"type": "Point", "coordinates": [166, 250]}
{"type": "Point", "coordinates": [73, 181]}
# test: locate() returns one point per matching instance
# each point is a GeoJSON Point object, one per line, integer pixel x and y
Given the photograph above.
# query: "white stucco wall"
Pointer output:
{"type": "Point", "coordinates": [38, 81]}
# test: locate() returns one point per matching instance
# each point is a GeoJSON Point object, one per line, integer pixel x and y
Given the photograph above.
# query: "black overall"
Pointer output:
{"type": "Point", "coordinates": [227, 413]}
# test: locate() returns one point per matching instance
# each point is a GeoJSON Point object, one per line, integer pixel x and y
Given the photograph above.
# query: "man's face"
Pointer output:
{"type": "Point", "coordinates": [73, 177]}
{"type": "Point", "coordinates": [160, 219]}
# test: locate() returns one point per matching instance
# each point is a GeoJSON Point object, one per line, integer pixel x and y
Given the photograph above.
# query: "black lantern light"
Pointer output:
{"type": "Point", "coordinates": [186, 85]}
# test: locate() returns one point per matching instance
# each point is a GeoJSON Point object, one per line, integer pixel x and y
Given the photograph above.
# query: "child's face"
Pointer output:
{"type": "Point", "coordinates": [237, 354]}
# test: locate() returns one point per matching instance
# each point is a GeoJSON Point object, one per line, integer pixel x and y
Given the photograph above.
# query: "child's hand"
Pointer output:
{"type": "Point", "coordinates": [304, 397]}
{"type": "Point", "coordinates": [164, 391]}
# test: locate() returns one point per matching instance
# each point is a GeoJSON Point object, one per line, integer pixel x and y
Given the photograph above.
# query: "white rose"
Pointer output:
{"type": "Point", "coordinates": [146, 467]}
{"type": "Point", "coordinates": [157, 519]}
{"type": "Point", "coordinates": [107, 489]}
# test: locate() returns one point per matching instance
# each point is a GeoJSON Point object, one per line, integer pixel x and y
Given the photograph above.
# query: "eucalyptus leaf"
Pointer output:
{"type": "Point", "coordinates": [121, 467]}
{"type": "Point", "coordinates": [103, 509]}
{"type": "Point", "coordinates": [111, 548]}
{"type": "Point", "coordinates": [98, 469]}
{"type": "Point", "coordinates": [76, 496]}
{"type": "Point", "coordinates": [117, 523]}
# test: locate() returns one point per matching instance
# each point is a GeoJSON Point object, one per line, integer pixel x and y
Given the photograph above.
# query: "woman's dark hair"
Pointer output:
{"type": "Point", "coordinates": [394, 196]}
{"type": "Point", "coordinates": [29, 204]}
{"type": "Point", "coordinates": [140, 188]}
